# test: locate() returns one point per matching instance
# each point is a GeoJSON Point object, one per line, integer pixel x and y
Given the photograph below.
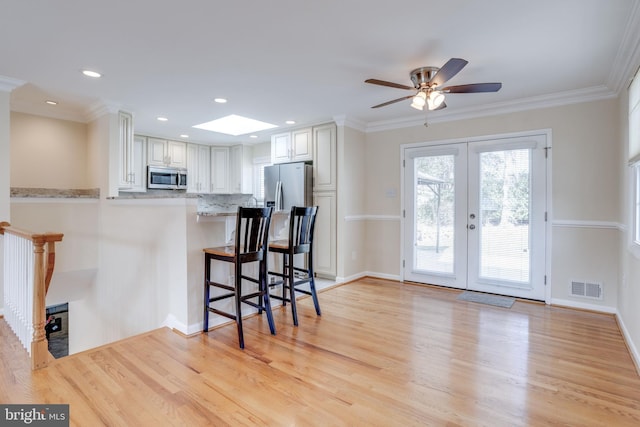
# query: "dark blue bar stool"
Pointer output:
{"type": "Point", "coordinates": [301, 224]}
{"type": "Point", "coordinates": [251, 245]}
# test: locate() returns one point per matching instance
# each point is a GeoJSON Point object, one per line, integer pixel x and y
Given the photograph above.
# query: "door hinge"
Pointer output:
{"type": "Point", "coordinates": [403, 163]}
{"type": "Point", "coordinates": [403, 213]}
{"type": "Point", "coordinates": [545, 217]}
{"type": "Point", "coordinates": [546, 152]}
{"type": "Point", "coordinates": [402, 263]}
{"type": "Point", "coordinates": [545, 280]}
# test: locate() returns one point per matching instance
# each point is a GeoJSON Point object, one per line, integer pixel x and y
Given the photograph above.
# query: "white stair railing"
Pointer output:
{"type": "Point", "coordinates": [29, 259]}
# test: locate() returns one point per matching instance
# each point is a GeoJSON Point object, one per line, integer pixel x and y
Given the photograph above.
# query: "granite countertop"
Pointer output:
{"type": "Point", "coordinates": [217, 213]}
{"type": "Point", "coordinates": [154, 194]}
{"type": "Point", "coordinates": [55, 193]}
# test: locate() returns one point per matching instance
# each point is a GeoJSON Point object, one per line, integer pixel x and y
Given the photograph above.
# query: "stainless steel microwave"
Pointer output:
{"type": "Point", "coordinates": [166, 178]}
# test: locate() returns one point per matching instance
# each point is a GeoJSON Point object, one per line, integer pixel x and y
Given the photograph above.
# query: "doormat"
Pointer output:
{"type": "Point", "coordinates": [498, 301]}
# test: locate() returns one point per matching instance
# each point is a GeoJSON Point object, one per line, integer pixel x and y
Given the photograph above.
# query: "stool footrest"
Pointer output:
{"type": "Point", "coordinates": [279, 298]}
{"type": "Point", "coordinates": [222, 313]}
{"type": "Point", "coordinates": [250, 279]}
{"type": "Point", "coordinates": [220, 285]}
{"type": "Point", "coordinates": [221, 297]}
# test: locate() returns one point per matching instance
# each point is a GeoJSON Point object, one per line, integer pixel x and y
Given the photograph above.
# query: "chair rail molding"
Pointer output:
{"type": "Point", "coordinates": [349, 218]}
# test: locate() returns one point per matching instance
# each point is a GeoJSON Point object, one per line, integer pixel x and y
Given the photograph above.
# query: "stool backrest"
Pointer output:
{"type": "Point", "coordinates": [252, 233]}
{"type": "Point", "coordinates": [302, 221]}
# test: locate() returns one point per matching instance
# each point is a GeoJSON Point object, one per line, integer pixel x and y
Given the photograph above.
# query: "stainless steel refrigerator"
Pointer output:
{"type": "Point", "coordinates": [288, 184]}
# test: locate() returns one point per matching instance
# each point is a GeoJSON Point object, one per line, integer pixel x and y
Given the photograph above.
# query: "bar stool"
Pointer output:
{"type": "Point", "coordinates": [301, 224]}
{"type": "Point", "coordinates": [251, 245]}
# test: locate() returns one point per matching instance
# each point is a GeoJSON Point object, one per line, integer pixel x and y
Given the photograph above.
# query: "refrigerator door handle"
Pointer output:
{"type": "Point", "coordinates": [278, 203]}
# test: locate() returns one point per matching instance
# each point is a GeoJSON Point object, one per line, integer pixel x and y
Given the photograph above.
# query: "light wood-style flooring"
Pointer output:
{"type": "Point", "coordinates": [382, 354]}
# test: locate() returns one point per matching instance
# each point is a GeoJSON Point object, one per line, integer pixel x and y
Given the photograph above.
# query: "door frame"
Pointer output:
{"type": "Point", "coordinates": [548, 243]}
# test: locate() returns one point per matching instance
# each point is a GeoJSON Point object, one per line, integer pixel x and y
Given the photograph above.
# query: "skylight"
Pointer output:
{"type": "Point", "coordinates": [235, 125]}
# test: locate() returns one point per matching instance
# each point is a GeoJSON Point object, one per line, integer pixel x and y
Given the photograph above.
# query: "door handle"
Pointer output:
{"type": "Point", "coordinates": [472, 227]}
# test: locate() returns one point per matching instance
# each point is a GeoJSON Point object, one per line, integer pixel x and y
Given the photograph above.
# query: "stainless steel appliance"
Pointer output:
{"type": "Point", "coordinates": [166, 178]}
{"type": "Point", "coordinates": [288, 184]}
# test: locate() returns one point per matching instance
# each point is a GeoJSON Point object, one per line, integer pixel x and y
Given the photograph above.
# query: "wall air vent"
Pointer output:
{"type": "Point", "coordinates": [586, 289]}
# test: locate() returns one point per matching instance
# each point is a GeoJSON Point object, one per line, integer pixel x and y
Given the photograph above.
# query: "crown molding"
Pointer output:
{"type": "Point", "coordinates": [8, 84]}
{"type": "Point", "coordinates": [100, 108]}
{"type": "Point", "coordinates": [343, 120]}
{"type": "Point", "coordinates": [536, 102]}
{"type": "Point", "coordinates": [627, 58]}
{"type": "Point", "coordinates": [44, 111]}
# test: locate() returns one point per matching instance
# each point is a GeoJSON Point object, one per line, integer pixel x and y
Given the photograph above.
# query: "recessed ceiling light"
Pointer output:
{"type": "Point", "coordinates": [184, 135]}
{"type": "Point", "coordinates": [90, 73]}
{"type": "Point", "coordinates": [220, 100]}
{"type": "Point", "coordinates": [290, 122]}
{"type": "Point", "coordinates": [235, 125]}
{"type": "Point", "coordinates": [253, 136]}
{"type": "Point", "coordinates": [51, 102]}
{"type": "Point", "coordinates": [162, 119]}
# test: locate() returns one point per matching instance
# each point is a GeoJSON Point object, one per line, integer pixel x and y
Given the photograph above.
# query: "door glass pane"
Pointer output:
{"type": "Point", "coordinates": [434, 214]}
{"type": "Point", "coordinates": [505, 201]}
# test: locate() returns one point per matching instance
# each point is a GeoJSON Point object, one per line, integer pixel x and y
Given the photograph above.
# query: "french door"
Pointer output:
{"type": "Point", "coordinates": [475, 215]}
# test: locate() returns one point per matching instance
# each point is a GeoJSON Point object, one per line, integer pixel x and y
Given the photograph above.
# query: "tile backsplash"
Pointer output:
{"type": "Point", "coordinates": [223, 203]}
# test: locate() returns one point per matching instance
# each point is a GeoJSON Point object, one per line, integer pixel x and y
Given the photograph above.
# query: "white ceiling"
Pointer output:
{"type": "Point", "coordinates": [307, 61]}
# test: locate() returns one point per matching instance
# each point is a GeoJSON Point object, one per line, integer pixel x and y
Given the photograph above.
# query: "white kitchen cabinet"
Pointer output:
{"type": "Point", "coordinates": [177, 152]}
{"type": "Point", "coordinates": [198, 168]}
{"type": "Point", "coordinates": [240, 170]}
{"type": "Point", "coordinates": [156, 154]}
{"type": "Point", "coordinates": [280, 145]}
{"type": "Point", "coordinates": [139, 171]}
{"type": "Point", "coordinates": [324, 235]}
{"type": "Point", "coordinates": [324, 158]}
{"type": "Point", "coordinates": [219, 169]}
{"type": "Point", "coordinates": [161, 152]}
{"type": "Point", "coordinates": [132, 157]}
{"type": "Point", "coordinates": [125, 149]}
{"type": "Point", "coordinates": [295, 146]}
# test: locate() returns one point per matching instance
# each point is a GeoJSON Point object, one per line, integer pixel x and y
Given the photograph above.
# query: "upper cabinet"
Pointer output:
{"type": "Point", "coordinates": [161, 152]}
{"type": "Point", "coordinates": [324, 157]}
{"type": "Point", "coordinates": [220, 170]}
{"type": "Point", "coordinates": [198, 168]}
{"type": "Point", "coordinates": [295, 146]}
{"type": "Point", "coordinates": [240, 170]}
{"type": "Point", "coordinates": [132, 157]}
{"type": "Point", "coordinates": [125, 149]}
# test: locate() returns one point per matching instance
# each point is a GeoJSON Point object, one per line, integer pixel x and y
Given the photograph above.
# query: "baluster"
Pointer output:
{"type": "Point", "coordinates": [26, 278]}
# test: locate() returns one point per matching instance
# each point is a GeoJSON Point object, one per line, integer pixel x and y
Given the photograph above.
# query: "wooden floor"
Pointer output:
{"type": "Point", "coordinates": [383, 354]}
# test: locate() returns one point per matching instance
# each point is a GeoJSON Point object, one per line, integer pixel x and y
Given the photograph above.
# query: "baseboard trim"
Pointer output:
{"type": "Point", "coordinates": [633, 351]}
{"type": "Point", "coordinates": [582, 306]}
{"type": "Point", "coordinates": [377, 275]}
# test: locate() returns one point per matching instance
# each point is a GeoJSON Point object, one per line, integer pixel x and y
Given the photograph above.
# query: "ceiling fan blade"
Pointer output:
{"type": "Point", "coordinates": [473, 88]}
{"type": "Point", "coordinates": [389, 84]}
{"type": "Point", "coordinates": [392, 102]}
{"type": "Point", "coordinates": [448, 70]}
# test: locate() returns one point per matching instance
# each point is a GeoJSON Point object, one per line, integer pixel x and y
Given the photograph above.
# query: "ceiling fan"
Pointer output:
{"type": "Point", "coordinates": [427, 82]}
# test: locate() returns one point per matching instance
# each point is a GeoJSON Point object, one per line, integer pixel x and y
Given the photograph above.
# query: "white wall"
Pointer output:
{"type": "Point", "coordinates": [351, 203]}
{"type": "Point", "coordinates": [262, 149]}
{"type": "Point", "coordinates": [51, 153]}
{"type": "Point", "coordinates": [76, 256]}
{"type": "Point", "coordinates": [585, 190]}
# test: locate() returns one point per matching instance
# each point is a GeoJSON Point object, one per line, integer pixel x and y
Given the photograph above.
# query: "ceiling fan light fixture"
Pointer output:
{"type": "Point", "coordinates": [419, 100]}
{"type": "Point", "coordinates": [436, 98]}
